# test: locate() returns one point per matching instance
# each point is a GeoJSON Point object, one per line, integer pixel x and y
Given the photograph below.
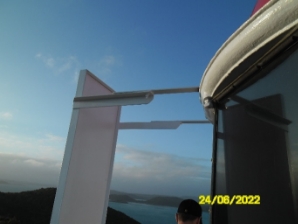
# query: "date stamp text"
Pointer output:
{"type": "Point", "coordinates": [230, 200]}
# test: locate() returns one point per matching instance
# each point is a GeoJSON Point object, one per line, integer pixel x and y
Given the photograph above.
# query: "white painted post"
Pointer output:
{"type": "Point", "coordinates": [84, 185]}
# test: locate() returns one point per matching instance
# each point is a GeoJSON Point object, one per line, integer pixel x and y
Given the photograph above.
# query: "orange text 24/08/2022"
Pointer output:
{"type": "Point", "coordinates": [229, 200]}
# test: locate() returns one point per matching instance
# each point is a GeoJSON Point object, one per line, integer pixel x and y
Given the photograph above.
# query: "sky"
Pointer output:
{"type": "Point", "coordinates": [130, 45]}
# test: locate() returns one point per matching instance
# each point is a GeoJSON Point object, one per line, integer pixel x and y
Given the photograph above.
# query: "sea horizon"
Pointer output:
{"type": "Point", "coordinates": [149, 214]}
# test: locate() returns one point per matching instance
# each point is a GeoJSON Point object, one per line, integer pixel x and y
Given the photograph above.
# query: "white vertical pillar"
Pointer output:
{"type": "Point", "coordinates": [84, 185]}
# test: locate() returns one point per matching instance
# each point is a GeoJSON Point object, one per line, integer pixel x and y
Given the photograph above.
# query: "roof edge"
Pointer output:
{"type": "Point", "coordinates": [275, 18]}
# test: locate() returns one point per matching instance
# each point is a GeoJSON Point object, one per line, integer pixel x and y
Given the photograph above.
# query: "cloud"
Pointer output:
{"type": "Point", "coordinates": [103, 66]}
{"type": "Point", "coordinates": [55, 138]}
{"type": "Point", "coordinates": [137, 171]}
{"type": "Point", "coordinates": [50, 62]}
{"type": "Point", "coordinates": [107, 61]}
{"type": "Point", "coordinates": [153, 164]}
{"type": "Point", "coordinates": [60, 65]}
{"type": "Point", "coordinates": [23, 169]}
{"type": "Point", "coordinates": [6, 115]}
{"type": "Point", "coordinates": [33, 162]}
{"type": "Point", "coordinates": [46, 146]}
{"type": "Point", "coordinates": [153, 172]}
{"type": "Point", "coordinates": [106, 65]}
{"type": "Point", "coordinates": [68, 64]}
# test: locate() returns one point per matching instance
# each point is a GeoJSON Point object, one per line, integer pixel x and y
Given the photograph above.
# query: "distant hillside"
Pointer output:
{"type": "Point", "coordinates": [153, 200]}
{"type": "Point", "coordinates": [35, 207]}
{"type": "Point", "coordinates": [122, 198]}
{"type": "Point", "coordinates": [136, 196]}
{"type": "Point", "coordinates": [165, 201]}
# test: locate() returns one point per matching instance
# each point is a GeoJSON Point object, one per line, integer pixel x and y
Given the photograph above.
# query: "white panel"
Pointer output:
{"type": "Point", "coordinates": [83, 190]}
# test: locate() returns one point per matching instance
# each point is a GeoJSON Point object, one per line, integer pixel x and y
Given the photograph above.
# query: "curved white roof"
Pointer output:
{"type": "Point", "coordinates": [274, 19]}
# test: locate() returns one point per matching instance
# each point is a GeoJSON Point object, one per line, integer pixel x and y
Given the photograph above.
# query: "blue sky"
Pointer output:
{"type": "Point", "coordinates": [130, 45]}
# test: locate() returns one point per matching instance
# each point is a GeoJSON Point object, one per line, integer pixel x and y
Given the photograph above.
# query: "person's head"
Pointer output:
{"type": "Point", "coordinates": [189, 212]}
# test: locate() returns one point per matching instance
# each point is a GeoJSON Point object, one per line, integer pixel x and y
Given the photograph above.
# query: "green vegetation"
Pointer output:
{"type": "Point", "coordinates": [35, 207]}
{"type": "Point", "coordinates": [28, 207]}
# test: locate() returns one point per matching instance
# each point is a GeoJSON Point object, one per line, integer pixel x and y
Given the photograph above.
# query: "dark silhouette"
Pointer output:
{"type": "Point", "coordinates": [35, 207]}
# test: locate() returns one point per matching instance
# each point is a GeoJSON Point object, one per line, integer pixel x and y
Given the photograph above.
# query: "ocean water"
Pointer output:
{"type": "Point", "coordinates": [143, 213]}
{"type": "Point", "coordinates": [150, 214]}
